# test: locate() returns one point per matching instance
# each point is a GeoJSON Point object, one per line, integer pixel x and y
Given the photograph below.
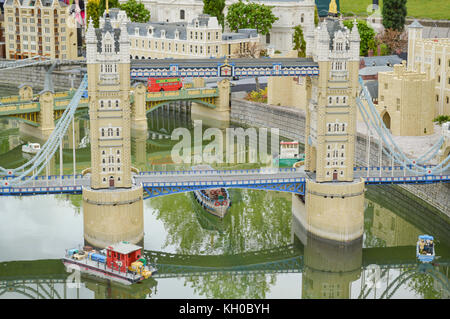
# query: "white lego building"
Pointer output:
{"type": "Point", "coordinates": [290, 13]}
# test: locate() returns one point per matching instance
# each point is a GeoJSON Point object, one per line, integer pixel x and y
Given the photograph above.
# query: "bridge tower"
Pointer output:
{"type": "Point", "coordinates": [334, 199]}
{"type": "Point", "coordinates": [112, 206]}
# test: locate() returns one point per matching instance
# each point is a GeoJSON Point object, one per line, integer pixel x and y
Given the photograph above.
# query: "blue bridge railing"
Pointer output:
{"type": "Point", "coordinates": [222, 172]}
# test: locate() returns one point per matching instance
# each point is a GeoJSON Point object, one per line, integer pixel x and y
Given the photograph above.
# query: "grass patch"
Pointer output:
{"type": "Point", "coordinates": [431, 9]}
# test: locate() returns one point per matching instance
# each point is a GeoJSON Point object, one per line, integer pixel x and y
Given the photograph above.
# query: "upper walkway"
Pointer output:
{"type": "Point", "coordinates": [223, 67]}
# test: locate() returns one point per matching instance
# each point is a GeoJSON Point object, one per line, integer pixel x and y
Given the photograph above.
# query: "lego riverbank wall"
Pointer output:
{"type": "Point", "coordinates": [63, 77]}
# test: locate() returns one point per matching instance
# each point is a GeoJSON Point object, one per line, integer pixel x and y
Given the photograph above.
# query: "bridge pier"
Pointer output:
{"type": "Point", "coordinates": [138, 108]}
{"type": "Point", "coordinates": [111, 216]}
{"type": "Point", "coordinates": [222, 110]}
{"type": "Point", "coordinates": [139, 146]}
{"type": "Point", "coordinates": [46, 118]}
{"type": "Point", "coordinates": [25, 92]}
{"type": "Point", "coordinates": [332, 211]}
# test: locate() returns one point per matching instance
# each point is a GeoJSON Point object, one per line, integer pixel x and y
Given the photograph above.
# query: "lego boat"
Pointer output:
{"type": "Point", "coordinates": [31, 148]}
{"type": "Point", "coordinates": [425, 248]}
{"type": "Point", "coordinates": [215, 201]}
{"type": "Point", "coordinates": [289, 155]}
{"type": "Point", "coordinates": [122, 262]}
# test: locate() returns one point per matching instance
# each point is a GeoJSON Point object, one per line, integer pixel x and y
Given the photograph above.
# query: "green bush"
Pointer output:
{"type": "Point", "coordinates": [384, 49]}
{"type": "Point", "coordinates": [442, 119]}
{"type": "Point", "coordinates": [257, 96]}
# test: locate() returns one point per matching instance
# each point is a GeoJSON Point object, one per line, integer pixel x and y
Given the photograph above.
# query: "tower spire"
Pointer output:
{"type": "Point", "coordinates": [332, 9]}
{"type": "Point", "coordinates": [107, 9]}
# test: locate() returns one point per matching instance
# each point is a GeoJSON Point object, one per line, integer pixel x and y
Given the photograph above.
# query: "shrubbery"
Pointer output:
{"type": "Point", "coordinates": [257, 96]}
{"type": "Point", "coordinates": [442, 119]}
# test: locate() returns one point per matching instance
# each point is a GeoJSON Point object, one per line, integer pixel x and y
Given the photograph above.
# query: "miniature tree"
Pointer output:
{"type": "Point", "coordinates": [136, 11]}
{"type": "Point", "coordinates": [250, 16]}
{"type": "Point", "coordinates": [367, 35]}
{"type": "Point", "coordinates": [394, 14]}
{"type": "Point", "coordinates": [215, 8]}
{"type": "Point", "coordinates": [253, 50]}
{"type": "Point", "coordinates": [396, 41]}
{"type": "Point", "coordinates": [299, 41]}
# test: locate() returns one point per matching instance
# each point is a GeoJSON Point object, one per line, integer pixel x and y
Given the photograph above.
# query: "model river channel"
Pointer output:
{"type": "Point", "coordinates": [252, 253]}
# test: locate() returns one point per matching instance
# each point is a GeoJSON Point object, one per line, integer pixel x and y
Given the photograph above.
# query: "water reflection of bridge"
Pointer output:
{"type": "Point", "coordinates": [37, 279]}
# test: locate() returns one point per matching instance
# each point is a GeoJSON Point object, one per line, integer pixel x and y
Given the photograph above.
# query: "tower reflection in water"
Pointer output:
{"type": "Point", "coordinates": [329, 267]}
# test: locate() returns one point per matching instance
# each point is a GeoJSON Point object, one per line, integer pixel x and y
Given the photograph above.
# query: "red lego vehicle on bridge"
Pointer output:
{"type": "Point", "coordinates": [164, 84]}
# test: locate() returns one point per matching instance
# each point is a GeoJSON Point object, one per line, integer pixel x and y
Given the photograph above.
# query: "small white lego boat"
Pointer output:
{"type": "Point", "coordinates": [31, 148]}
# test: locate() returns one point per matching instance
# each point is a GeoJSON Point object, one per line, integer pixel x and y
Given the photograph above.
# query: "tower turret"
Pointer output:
{"type": "Point", "coordinates": [414, 33]}
{"type": "Point", "coordinates": [108, 61]}
{"type": "Point", "coordinates": [334, 198]}
{"type": "Point", "coordinates": [112, 205]}
{"type": "Point", "coordinates": [331, 115]}
{"type": "Point", "coordinates": [355, 42]}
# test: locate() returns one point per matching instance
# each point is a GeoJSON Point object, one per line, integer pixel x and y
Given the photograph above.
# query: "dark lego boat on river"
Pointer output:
{"type": "Point", "coordinates": [215, 201]}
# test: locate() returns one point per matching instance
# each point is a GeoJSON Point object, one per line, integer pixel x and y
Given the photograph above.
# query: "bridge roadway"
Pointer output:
{"type": "Point", "coordinates": [27, 110]}
{"type": "Point", "coordinates": [158, 183]}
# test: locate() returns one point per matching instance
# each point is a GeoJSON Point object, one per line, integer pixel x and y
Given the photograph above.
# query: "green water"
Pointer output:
{"type": "Point", "coordinates": [252, 253]}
